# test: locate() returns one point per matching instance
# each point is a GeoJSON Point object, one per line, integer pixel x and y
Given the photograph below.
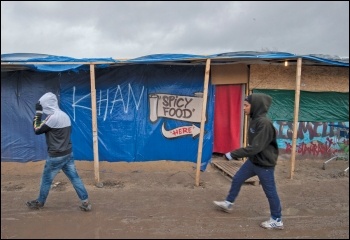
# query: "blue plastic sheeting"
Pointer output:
{"type": "Point", "coordinates": [164, 58]}
{"type": "Point", "coordinates": [255, 55]}
{"type": "Point", "coordinates": [144, 113]}
{"type": "Point", "coordinates": [159, 58]}
{"type": "Point", "coordinates": [321, 58]}
{"type": "Point", "coordinates": [35, 57]}
{"type": "Point", "coordinates": [41, 58]}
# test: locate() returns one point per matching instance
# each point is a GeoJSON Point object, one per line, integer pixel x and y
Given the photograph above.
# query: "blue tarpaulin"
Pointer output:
{"type": "Point", "coordinates": [144, 113]}
{"type": "Point", "coordinates": [148, 108]}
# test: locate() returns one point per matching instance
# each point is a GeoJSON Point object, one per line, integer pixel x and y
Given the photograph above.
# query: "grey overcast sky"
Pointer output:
{"type": "Point", "coordinates": [124, 29]}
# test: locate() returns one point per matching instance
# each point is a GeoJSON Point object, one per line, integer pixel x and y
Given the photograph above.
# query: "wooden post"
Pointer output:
{"type": "Point", "coordinates": [296, 117]}
{"type": "Point", "coordinates": [245, 124]}
{"type": "Point", "coordinates": [201, 134]}
{"type": "Point", "coordinates": [94, 123]}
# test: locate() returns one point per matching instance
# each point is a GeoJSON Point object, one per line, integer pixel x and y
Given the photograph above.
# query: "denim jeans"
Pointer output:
{"type": "Point", "coordinates": [52, 166]}
{"type": "Point", "coordinates": [267, 181]}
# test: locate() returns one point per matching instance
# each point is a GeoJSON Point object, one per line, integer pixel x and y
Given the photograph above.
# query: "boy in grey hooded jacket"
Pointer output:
{"type": "Point", "coordinates": [262, 153]}
{"type": "Point", "coordinates": [57, 130]}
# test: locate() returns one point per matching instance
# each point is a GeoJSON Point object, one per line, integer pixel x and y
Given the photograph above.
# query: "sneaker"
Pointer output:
{"type": "Point", "coordinates": [34, 204]}
{"type": "Point", "coordinates": [85, 206]}
{"type": "Point", "coordinates": [272, 224]}
{"type": "Point", "coordinates": [225, 206]}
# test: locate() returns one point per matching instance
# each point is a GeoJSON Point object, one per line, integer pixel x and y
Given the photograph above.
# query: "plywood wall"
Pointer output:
{"type": "Point", "coordinates": [313, 78]}
{"type": "Point", "coordinates": [229, 74]}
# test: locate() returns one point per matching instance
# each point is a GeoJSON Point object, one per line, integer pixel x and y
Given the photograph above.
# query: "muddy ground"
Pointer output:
{"type": "Point", "coordinates": [159, 200]}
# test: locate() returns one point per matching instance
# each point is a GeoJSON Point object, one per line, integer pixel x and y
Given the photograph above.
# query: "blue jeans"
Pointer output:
{"type": "Point", "coordinates": [267, 181]}
{"type": "Point", "coordinates": [52, 166]}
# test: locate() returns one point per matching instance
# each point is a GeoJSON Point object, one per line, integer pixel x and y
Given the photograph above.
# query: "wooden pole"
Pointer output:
{"type": "Point", "coordinates": [201, 134]}
{"type": "Point", "coordinates": [94, 123]}
{"type": "Point", "coordinates": [245, 123]}
{"type": "Point", "coordinates": [245, 117]}
{"type": "Point", "coordinates": [296, 117]}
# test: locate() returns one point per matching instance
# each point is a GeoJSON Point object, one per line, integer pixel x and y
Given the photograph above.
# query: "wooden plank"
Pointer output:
{"type": "Point", "coordinates": [231, 167]}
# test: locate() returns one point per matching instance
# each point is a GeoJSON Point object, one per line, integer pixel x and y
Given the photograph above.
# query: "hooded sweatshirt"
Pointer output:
{"type": "Point", "coordinates": [262, 149]}
{"type": "Point", "coordinates": [56, 126]}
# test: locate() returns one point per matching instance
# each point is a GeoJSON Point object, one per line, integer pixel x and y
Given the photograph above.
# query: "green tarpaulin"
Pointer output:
{"type": "Point", "coordinates": [313, 106]}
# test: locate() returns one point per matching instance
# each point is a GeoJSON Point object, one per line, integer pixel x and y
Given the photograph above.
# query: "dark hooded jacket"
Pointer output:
{"type": "Point", "coordinates": [56, 126]}
{"type": "Point", "coordinates": [262, 138]}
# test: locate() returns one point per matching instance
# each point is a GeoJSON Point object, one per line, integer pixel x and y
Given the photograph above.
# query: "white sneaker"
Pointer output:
{"type": "Point", "coordinates": [226, 206]}
{"type": "Point", "coordinates": [272, 224]}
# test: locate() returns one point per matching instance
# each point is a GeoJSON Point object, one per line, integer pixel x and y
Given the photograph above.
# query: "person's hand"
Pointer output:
{"type": "Point", "coordinates": [38, 108]}
{"type": "Point", "coordinates": [227, 156]}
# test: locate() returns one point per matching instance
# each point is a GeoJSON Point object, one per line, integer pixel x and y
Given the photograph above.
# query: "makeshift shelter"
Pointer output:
{"type": "Point", "coordinates": [156, 107]}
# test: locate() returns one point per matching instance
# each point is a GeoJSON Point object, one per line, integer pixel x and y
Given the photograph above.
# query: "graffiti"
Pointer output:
{"type": "Point", "coordinates": [103, 102]}
{"type": "Point", "coordinates": [314, 138]}
{"type": "Point", "coordinates": [315, 149]}
{"type": "Point", "coordinates": [183, 108]}
{"type": "Point", "coordinates": [176, 101]}
{"type": "Point", "coordinates": [118, 97]}
{"type": "Point", "coordinates": [177, 107]}
{"type": "Point", "coordinates": [181, 131]}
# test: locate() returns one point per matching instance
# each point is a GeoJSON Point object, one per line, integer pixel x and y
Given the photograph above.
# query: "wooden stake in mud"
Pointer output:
{"type": "Point", "coordinates": [201, 134]}
{"type": "Point", "coordinates": [94, 124]}
{"type": "Point", "coordinates": [296, 117]}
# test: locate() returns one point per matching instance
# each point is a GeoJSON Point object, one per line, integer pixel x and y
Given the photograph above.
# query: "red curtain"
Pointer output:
{"type": "Point", "coordinates": [227, 118]}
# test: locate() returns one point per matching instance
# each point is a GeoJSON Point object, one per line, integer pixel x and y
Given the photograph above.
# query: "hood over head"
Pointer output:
{"type": "Point", "coordinates": [49, 103]}
{"type": "Point", "coordinates": [260, 104]}
{"type": "Point", "coordinates": [248, 99]}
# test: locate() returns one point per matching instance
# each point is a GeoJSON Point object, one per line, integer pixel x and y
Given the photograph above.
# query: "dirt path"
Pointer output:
{"type": "Point", "coordinates": [159, 200]}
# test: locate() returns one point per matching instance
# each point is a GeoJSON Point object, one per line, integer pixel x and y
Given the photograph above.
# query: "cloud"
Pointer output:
{"type": "Point", "coordinates": [126, 29]}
